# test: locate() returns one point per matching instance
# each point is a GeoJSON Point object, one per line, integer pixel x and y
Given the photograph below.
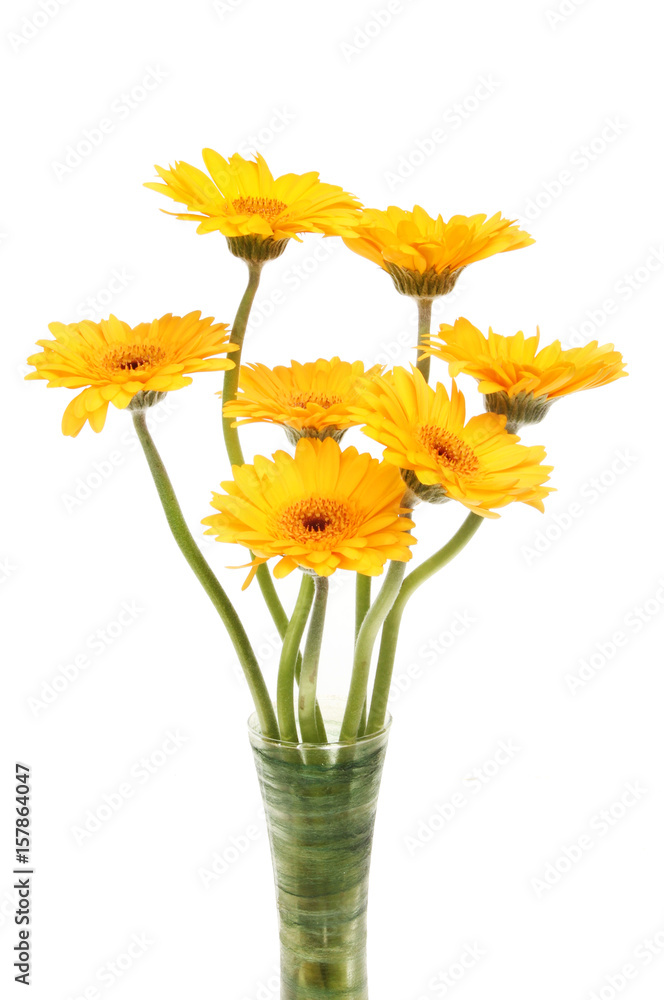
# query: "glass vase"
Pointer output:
{"type": "Point", "coordinates": [320, 806]}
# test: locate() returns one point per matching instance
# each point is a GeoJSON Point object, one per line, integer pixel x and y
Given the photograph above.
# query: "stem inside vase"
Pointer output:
{"type": "Point", "coordinates": [320, 806]}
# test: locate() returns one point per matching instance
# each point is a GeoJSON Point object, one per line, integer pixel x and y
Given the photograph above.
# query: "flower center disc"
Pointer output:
{"type": "Point", "coordinates": [133, 357]}
{"type": "Point", "coordinates": [448, 450]}
{"type": "Point", "coordinates": [315, 521]}
{"type": "Point", "coordinates": [267, 208]}
{"type": "Point", "coordinates": [303, 398]}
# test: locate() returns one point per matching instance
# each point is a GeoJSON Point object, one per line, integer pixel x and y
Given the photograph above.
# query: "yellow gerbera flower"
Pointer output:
{"type": "Point", "coordinates": [517, 378]}
{"type": "Point", "coordinates": [425, 256]}
{"type": "Point", "coordinates": [125, 365]}
{"type": "Point", "coordinates": [323, 509]}
{"type": "Point", "coordinates": [308, 400]}
{"type": "Point", "coordinates": [241, 198]}
{"type": "Point", "coordinates": [444, 458]}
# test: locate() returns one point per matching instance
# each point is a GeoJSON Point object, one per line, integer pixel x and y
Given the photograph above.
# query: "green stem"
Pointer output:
{"type": "Point", "coordinates": [232, 437]}
{"type": "Point", "coordinates": [280, 619]}
{"type": "Point", "coordinates": [362, 605]}
{"type": "Point", "coordinates": [362, 600]}
{"type": "Point", "coordinates": [388, 645]}
{"type": "Point", "coordinates": [319, 714]}
{"type": "Point", "coordinates": [364, 648]}
{"type": "Point", "coordinates": [321, 734]}
{"type": "Point", "coordinates": [423, 331]}
{"type": "Point", "coordinates": [208, 580]}
{"type": "Point", "coordinates": [232, 375]}
{"type": "Point", "coordinates": [288, 661]}
{"type": "Point", "coordinates": [274, 605]}
{"type": "Point", "coordinates": [309, 675]}
{"type": "Point", "coordinates": [363, 720]}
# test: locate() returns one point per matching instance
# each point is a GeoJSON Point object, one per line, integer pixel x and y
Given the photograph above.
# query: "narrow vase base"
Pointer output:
{"type": "Point", "coordinates": [324, 981]}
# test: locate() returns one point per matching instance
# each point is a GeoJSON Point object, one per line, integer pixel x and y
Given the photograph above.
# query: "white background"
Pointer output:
{"type": "Point", "coordinates": [537, 93]}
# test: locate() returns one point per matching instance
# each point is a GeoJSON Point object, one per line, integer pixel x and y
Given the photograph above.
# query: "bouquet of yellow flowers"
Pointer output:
{"type": "Point", "coordinates": [321, 506]}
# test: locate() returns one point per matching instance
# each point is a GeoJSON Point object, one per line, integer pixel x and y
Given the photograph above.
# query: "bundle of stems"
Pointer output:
{"type": "Point", "coordinates": [297, 717]}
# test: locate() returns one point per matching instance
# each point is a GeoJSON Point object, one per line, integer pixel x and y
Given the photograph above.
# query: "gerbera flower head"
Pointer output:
{"type": "Point", "coordinates": [256, 212]}
{"type": "Point", "coordinates": [308, 400]}
{"type": "Point", "coordinates": [425, 256]}
{"type": "Point", "coordinates": [425, 434]}
{"type": "Point", "coordinates": [517, 377]}
{"type": "Point", "coordinates": [322, 509]}
{"type": "Point", "coordinates": [113, 362]}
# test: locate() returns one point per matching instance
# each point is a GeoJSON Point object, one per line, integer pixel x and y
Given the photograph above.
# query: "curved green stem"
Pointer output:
{"type": "Point", "coordinates": [309, 725]}
{"type": "Point", "coordinates": [364, 648]}
{"type": "Point", "coordinates": [209, 582]}
{"type": "Point", "coordinates": [271, 598]}
{"type": "Point", "coordinates": [232, 375]}
{"type": "Point", "coordinates": [288, 661]}
{"type": "Point", "coordinates": [363, 720]}
{"type": "Point", "coordinates": [232, 437]}
{"type": "Point", "coordinates": [319, 715]}
{"type": "Point", "coordinates": [423, 331]}
{"type": "Point", "coordinates": [389, 639]}
{"type": "Point", "coordinates": [362, 605]}
{"type": "Point", "coordinates": [362, 600]}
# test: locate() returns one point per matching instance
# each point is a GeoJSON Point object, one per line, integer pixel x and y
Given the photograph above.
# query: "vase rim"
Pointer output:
{"type": "Point", "coordinates": [255, 732]}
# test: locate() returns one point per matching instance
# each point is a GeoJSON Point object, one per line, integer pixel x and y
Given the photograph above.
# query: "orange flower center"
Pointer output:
{"type": "Point", "coordinates": [267, 208]}
{"type": "Point", "coordinates": [133, 358]}
{"type": "Point", "coordinates": [315, 522]}
{"type": "Point", "coordinates": [448, 449]}
{"type": "Point", "coordinates": [303, 398]}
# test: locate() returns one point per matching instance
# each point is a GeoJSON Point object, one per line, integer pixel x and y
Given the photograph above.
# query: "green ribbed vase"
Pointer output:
{"type": "Point", "coordinates": [320, 805]}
